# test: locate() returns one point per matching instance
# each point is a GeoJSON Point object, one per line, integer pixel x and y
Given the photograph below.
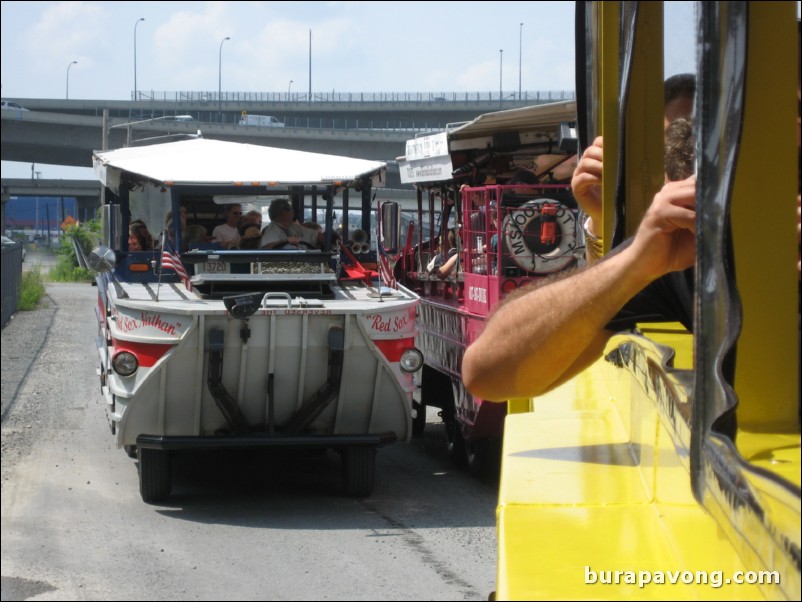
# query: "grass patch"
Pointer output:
{"type": "Point", "coordinates": [31, 290]}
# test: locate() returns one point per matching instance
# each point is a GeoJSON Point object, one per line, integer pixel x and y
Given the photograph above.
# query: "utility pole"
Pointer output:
{"type": "Point", "coordinates": [520, 57]}
{"type": "Point", "coordinates": [500, 63]}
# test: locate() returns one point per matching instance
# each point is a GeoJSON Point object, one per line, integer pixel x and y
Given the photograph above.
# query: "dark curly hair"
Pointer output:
{"type": "Point", "coordinates": [680, 150]}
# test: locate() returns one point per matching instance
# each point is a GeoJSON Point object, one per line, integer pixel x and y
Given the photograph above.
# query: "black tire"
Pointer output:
{"type": "Point", "coordinates": [155, 480]}
{"type": "Point", "coordinates": [131, 451]}
{"type": "Point", "coordinates": [483, 458]}
{"type": "Point", "coordinates": [419, 422]}
{"type": "Point", "coordinates": [359, 471]}
{"type": "Point", "coordinates": [455, 443]}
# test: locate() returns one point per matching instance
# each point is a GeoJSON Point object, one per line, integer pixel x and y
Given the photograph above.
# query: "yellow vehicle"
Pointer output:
{"type": "Point", "coordinates": [619, 484]}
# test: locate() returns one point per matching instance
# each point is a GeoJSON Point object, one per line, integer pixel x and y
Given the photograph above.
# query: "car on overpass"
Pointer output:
{"type": "Point", "coordinates": [7, 104]}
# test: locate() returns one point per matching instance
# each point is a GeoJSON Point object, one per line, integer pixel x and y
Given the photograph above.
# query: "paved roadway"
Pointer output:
{"type": "Point", "coordinates": [44, 258]}
{"type": "Point", "coordinates": [239, 526]}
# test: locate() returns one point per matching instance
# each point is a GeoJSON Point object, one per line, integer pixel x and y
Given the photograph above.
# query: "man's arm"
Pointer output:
{"type": "Point", "coordinates": [531, 341]}
{"type": "Point", "coordinates": [546, 334]}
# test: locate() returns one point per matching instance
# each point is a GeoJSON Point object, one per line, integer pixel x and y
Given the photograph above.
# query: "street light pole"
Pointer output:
{"type": "Point", "coordinates": [500, 63]}
{"type": "Point", "coordinates": [135, 26]}
{"type": "Point", "coordinates": [220, 81]}
{"type": "Point", "coordinates": [520, 57]}
{"type": "Point", "coordinates": [68, 77]}
{"type": "Point", "coordinates": [289, 88]}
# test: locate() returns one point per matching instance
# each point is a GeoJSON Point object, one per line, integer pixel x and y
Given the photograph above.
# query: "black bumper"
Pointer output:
{"type": "Point", "coordinates": [181, 442]}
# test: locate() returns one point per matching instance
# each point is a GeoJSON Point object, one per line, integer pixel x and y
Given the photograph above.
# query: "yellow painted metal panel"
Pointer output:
{"type": "Point", "coordinates": [596, 480]}
{"type": "Point", "coordinates": [549, 552]}
{"type": "Point", "coordinates": [763, 224]}
{"type": "Point", "coordinates": [644, 170]}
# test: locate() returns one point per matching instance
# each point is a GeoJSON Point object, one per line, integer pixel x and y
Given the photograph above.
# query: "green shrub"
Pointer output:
{"type": "Point", "coordinates": [67, 267]}
{"type": "Point", "coordinates": [31, 290]}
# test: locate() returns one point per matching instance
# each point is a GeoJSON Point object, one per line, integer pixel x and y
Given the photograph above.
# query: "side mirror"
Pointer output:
{"type": "Point", "coordinates": [568, 137]}
{"type": "Point", "coordinates": [102, 259]}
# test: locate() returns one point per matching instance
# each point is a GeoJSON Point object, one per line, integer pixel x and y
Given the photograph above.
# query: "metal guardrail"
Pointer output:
{"type": "Point", "coordinates": [528, 96]}
{"type": "Point", "coordinates": [11, 278]}
{"type": "Point", "coordinates": [80, 256]}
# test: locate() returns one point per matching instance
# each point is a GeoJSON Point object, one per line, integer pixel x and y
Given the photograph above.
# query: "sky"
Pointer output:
{"type": "Point", "coordinates": [355, 47]}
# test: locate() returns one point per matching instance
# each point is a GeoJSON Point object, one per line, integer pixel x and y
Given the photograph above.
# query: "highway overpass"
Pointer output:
{"type": "Point", "coordinates": [63, 139]}
{"type": "Point", "coordinates": [366, 126]}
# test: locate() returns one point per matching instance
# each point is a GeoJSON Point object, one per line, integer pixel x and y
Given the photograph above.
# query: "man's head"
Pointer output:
{"type": "Point", "coordinates": [680, 150]}
{"type": "Point", "coordinates": [280, 211]}
{"type": "Point", "coordinates": [233, 214]}
{"type": "Point", "coordinates": [680, 91]}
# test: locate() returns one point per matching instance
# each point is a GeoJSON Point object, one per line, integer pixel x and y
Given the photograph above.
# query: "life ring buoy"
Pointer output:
{"type": "Point", "coordinates": [540, 236]}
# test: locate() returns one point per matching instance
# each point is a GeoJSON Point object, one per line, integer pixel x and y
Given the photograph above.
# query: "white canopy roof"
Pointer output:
{"type": "Point", "coordinates": [530, 125]}
{"type": "Point", "coordinates": [523, 119]}
{"type": "Point", "coordinates": [214, 162]}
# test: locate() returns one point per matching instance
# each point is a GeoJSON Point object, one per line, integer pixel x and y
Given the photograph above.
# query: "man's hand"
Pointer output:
{"type": "Point", "coordinates": [587, 181]}
{"type": "Point", "coordinates": [666, 238]}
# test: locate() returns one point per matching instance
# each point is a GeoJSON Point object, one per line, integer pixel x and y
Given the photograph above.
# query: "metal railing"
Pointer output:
{"type": "Point", "coordinates": [201, 96]}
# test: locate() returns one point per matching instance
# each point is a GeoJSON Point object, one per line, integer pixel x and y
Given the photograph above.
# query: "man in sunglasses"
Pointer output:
{"type": "Point", "coordinates": [227, 234]}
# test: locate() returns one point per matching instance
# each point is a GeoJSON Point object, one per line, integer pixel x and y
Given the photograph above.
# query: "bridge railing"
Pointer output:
{"type": "Point", "coordinates": [205, 96]}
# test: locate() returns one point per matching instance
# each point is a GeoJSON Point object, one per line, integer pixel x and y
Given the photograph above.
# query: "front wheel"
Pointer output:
{"type": "Point", "coordinates": [419, 422]}
{"type": "Point", "coordinates": [483, 457]}
{"type": "Point", "coordinates": [455, 443]}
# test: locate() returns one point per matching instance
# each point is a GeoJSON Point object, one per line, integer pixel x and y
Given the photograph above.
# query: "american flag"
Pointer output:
{"type": "Point", "coordinates": [386, 271]}
{"type": "Point", "coordinates": [385, 267]}
{"type": "Point", "coordinates": [171, 261]}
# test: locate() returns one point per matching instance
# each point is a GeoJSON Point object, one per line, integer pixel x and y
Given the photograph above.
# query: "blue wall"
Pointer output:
{"type": "Point", "coordinates": [21, 212]}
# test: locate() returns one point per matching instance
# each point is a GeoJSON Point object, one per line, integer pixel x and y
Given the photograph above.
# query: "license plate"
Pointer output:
{"type": "Point", "coordinates": [215, 267]}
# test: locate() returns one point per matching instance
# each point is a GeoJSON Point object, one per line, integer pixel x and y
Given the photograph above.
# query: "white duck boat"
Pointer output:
{"type": "Point", "coordinates": [208, 348]}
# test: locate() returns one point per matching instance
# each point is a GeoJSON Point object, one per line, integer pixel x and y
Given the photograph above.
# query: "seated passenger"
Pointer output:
{"type": "Point", "coordinates": [283, 233]}
{"type": "Point", "coordinates": [196, 234]}
{"type": "Point", "coordinates": [250, 235]}
{"type": "Point", "coordinates": [521, 179]}
{"type": "Point", "coordinates": [444, 262]}
{"type": "Point", "coordinates": [252, 217]}
{"type": "Point", "coordinates": [227, 234]}
{"type": "Point", "coordinates": [139, 238]}
{"type": "Point", "coordinates": [183, 215]}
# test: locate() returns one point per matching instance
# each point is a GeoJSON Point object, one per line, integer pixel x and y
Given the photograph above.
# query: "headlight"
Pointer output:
{"type": "Point", "coordinates": [411, 360]}
{"type": "Point", "coordinates": [125, 363]}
